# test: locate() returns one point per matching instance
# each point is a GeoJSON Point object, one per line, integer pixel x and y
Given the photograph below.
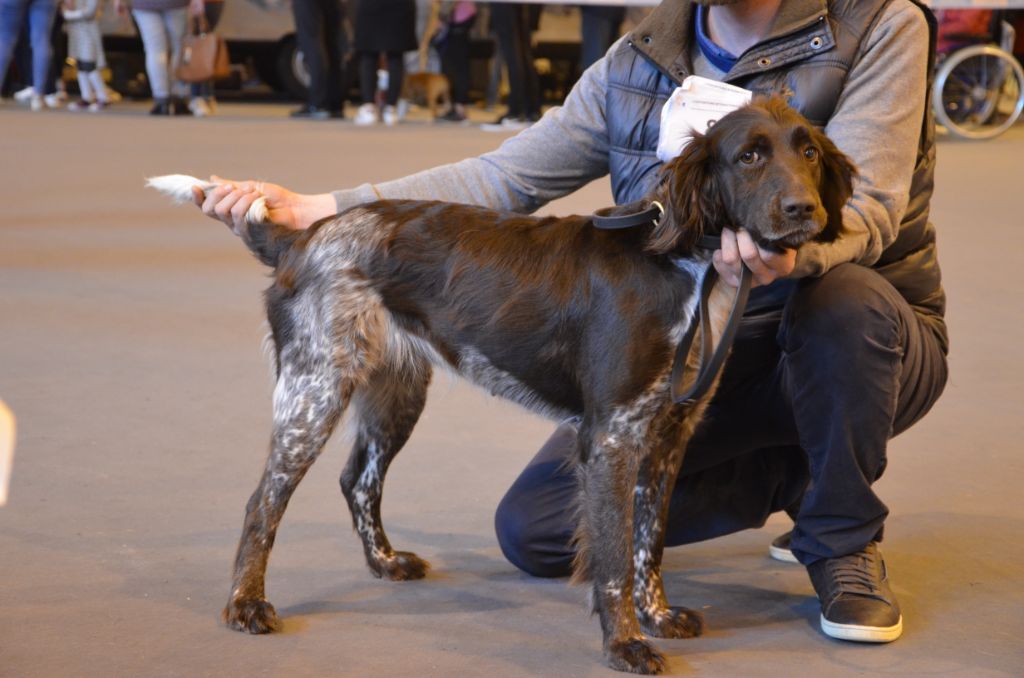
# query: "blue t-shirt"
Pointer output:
{"type": "Point", "coordinates": [719, 58]}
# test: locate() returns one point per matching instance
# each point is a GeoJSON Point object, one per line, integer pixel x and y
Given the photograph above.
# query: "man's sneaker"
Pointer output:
{"type": "Point", "coordinates": [779, 548]}
{"type": "Point", "coordinates": [856, 602]}
{"type": "Point", "coordinates": [366, 115]}
{"type": "Point", "coordinates": [390, 116]}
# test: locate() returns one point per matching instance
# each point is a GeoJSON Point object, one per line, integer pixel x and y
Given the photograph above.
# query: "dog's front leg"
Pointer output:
{"type": "Point", "coordinates": [670, 432]}
{"type": "Point", "coordinates": [655, 479]}
{"type": "Point", "coordinates": [607, 475]}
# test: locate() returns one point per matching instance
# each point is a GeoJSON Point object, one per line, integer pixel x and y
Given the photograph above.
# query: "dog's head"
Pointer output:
{"type": "Point", "coordinates": [763, 168]}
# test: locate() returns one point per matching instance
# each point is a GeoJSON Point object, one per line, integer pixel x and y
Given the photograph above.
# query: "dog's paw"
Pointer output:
{"type": "Point", "coordinates": [673, 622]}
{"type": "Point", "coordinates": [402, 566]}
{"type": "Point", "coordinates": [251, 616]}
{"type": "Point", "coordinates": [634, 656]}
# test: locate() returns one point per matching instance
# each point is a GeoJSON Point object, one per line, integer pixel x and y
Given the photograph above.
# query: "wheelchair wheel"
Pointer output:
{"type": "Point", "coordinates": [979, 92]}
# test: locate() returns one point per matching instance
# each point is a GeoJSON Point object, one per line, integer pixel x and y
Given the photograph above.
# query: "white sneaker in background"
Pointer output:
{"type": "Point", "coordinates": [36, 103]}
{"type": "Point", "coordinates": [53, 100]}
{"type": "Point", "coordinates": [366, 115]}
{"type": "Point", "coordinates": [24, 95]}
{"type": "Point", "coordinates": [390, 116]}
{"type": "Point", "coordinates": [199, 107]}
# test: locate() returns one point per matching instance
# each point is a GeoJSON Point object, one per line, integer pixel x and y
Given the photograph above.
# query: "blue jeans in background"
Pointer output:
{"type": "Point", "coordinates": [40, 20]}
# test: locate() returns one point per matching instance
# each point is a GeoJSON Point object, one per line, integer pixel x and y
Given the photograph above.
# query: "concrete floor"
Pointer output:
{"type": "Point", "coordinates": [130, 352]}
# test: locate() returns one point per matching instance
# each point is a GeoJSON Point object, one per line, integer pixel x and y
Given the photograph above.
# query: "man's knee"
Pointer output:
{"type": "Point", "coordinates": [528, 542]}
{"type": "Point", "coordinates": [848, 307]}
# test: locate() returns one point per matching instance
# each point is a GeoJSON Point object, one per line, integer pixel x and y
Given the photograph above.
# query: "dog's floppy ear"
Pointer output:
{"type": "Point", "coordinates": [691, 195]}
{"type": "Point", "coordinates": [837, 175]}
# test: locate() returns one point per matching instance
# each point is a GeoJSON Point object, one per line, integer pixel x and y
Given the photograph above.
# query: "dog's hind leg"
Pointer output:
{"type": "Point", "coordinates": [385, 411]}
{"type": "Point", "coordinates": [604, 538]}
{"type": "Point", "coordinates": [657, 475]}
{"type": "Point", "coordinates": [307, 404]}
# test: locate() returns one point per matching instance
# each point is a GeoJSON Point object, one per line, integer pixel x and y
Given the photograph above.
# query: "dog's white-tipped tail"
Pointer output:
{"type": "Point", "coordinates": [179, 187]}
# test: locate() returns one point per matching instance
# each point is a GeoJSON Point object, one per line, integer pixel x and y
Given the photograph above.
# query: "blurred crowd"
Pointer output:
{"type": "Point", "coordinates": [398, 51]}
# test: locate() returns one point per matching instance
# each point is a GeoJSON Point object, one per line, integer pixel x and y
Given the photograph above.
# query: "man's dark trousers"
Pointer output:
{"type": "Point", "coordinates": [807, 402]}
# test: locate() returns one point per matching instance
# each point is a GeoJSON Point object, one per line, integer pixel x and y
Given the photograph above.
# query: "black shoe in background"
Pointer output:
{"type": "Point", "coordinates": [451, 116]}
{"type": "Point", "coordinates": [856, 601]}
{"type": "Point", "coordinates": [161, 107]}
{"type": "Point", "coordinates": [179, 107]}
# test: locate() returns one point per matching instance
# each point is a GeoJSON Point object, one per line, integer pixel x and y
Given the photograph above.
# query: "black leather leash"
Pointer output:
{"type": "Point", "coordinates": [711, 359]}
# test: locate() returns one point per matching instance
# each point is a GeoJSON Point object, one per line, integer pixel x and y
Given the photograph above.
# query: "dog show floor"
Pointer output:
{"type": "Point", "coordinates": [130, 352]}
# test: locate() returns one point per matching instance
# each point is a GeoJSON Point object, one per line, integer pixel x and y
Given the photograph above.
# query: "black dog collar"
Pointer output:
{"type": "Point", "coordinates": [651, 215]}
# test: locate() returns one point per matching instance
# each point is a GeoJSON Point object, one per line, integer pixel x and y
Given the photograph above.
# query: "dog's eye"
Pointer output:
{"type": "Point", "coordinates": [749, 157]}
{"type": "Point", "coordinates": [811, 153]}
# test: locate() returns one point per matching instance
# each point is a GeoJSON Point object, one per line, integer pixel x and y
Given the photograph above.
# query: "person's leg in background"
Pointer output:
{"type": "Point", "coordinates": [202, 103]}
{"type": "Point", "coordinates": [396, 73]}
{"type": "Point", "coordinates": [53, 92]}
{"type": "Point", "coordinates": [175, 23]}
{"type": "Point", "coordinates": [506, 25]}
{"type": "Point", "coordinates": [335, 43]}
{"type": "Point", "coordinates": [599, 28]}
{"type": "Point", "coordinates": [12, 17]}
{"type": "Point", "coordinates": [454, 54]}
{"type": "Point", "coordinates": [367, 113]}
{"type": "Point", "coordinates": [86, 53]}
{"type": "Point", "coordinates": [310, 32]}
{"type": "Point", "coordinates": [154, 43]}
{"type": "Point", "coordinates": [40, 22]}
{"type": "Point", "coordinates": [529, 17]}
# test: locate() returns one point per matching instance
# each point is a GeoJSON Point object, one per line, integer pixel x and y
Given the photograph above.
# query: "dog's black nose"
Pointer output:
{"type": "Point", "coordinates": [796, 208]}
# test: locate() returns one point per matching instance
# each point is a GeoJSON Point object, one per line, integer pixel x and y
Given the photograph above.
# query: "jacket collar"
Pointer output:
{"type": "Point", "coordinates": [665, 35]}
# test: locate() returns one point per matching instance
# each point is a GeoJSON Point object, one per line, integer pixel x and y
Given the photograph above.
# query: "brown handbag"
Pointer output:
{"type": "Point", "coordinates": [204, 56]}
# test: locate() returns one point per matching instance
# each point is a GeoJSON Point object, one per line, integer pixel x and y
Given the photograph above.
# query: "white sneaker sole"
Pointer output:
{"type": "Point", "coordinates": [862, 634]}
{"type": "Point", "coordinates": [781, 554]}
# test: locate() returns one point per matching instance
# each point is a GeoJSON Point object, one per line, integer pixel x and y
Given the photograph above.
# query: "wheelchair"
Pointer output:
{"type": "Point", "coordinates": [978, 92]}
